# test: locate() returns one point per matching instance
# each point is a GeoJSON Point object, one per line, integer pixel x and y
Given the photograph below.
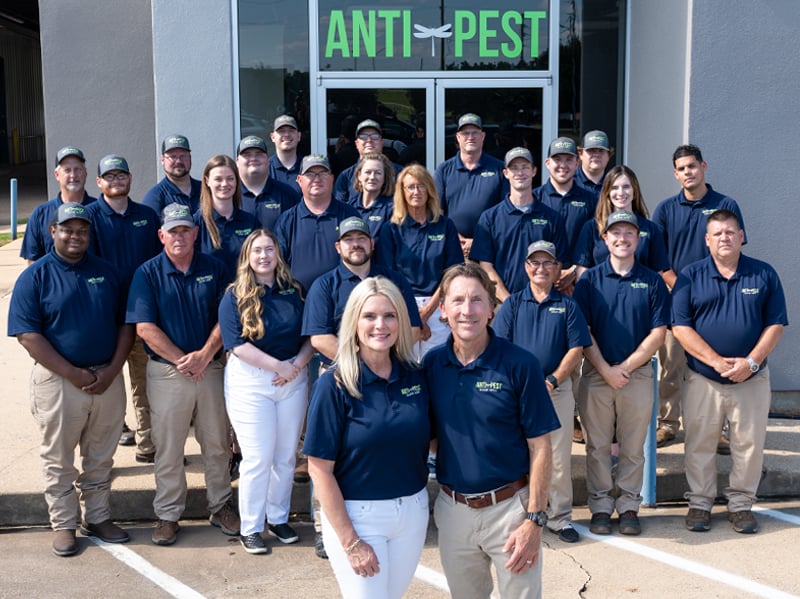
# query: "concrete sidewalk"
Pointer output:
{"type": "Point", "coordinates": [22, 501]}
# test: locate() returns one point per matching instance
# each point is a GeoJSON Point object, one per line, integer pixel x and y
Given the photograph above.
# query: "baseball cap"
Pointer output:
{"type": "Point", "coordinates": [314, 160]}
{"type": "Point", "coordinates": [69, 151]}
{"type": "Point", "coordinates": [621, 216]}
{"type": "Point", "coordinates": [353, 223]}
{"type": "Point", "coordinates": [542, 246]}
{"type": "Point", "coordinates": [112, 162]}
{"type": "Point", "coordinates": [70, 210]}
{"type": "Point", "coordinates": [175, 141]}
{"type": "Point", "coordinates": [283, 121]}
{"type": "Point", "coordinates": [562, 145]}
{"type": "Point", "coordinates": [469, 119]}
{"type": "Point", "coordinates": [596, 139]}
{"type": "Point", "coordinates": [518, 152]}
{"type": "Point", "coordinates": [251, 141]}
{"type": "Point", "coordinates": [368, 123]}
{"type": "Point", "coordinates": [176, 215]}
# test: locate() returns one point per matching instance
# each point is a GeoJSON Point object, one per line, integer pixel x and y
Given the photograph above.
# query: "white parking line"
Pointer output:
{"type": "Point", "coordinates": [432, 577]}
{"type": "Point", "coordinates": [739, 582]}
{"type": "Point", "coordinates": [134, 561]}
{"type": "Point", "coordinates": [777, 515]}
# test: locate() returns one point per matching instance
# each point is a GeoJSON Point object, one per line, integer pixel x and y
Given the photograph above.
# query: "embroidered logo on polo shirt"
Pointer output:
{"type": "Point", "coordinates": [643, 233]}
{"type": "Point", "coordinates": [556, 310]}
{"type": "Point", "coordinates": [95, 280]}
{"type": "Point", "coordinates": [140, 223]}
{"type": "Point", "coordinates": [409, 391]}
{"type": "Point", "coordinates": [439, 237]}
{"type": "Point", "coordinates": [708, 211]}
{"type": "Point", "coordinates": [205, 279]}
{"type": "Point", "coordinates": [291, 291]}
{"type": "Point", "coordinates": [243, 232]}
{"type": "Point", "coordinates": [577, 203]}
{"type": "Point", "coordinates": [375, 218]}
{"type": "Point", "coordinates": [271, 205]}
{"type": "Point", "coordinates": [540, 221]}
{"type": "Point", "coordinates": [750, 291]}
{"type": "Point", "coordinates": [637, 285]}
{"type": "Point", "coordinates": [487, 386]}
{"type": "Point", "coordinates": [488, 174]}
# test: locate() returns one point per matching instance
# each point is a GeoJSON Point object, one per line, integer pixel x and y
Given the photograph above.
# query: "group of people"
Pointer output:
{"type": "Point", "coordinates": [452, 321]}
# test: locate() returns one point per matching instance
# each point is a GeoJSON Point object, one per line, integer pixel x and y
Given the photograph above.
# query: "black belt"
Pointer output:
{"type": "Point", "coordinates": [160, 360]}
{"type": "Point", "coordinates": [481, 500]}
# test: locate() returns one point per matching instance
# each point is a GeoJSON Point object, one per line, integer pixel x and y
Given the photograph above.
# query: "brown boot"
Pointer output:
{"type": "Point", "coordinates": [64, 543]}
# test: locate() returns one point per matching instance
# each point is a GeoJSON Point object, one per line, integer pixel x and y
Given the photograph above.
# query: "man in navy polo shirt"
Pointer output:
{"type": "Point", "coordinates": [369, 140]}
{"type": "Point", "coordinates": [627, 308]}
{"type": "Point", "coordinates": [492, 417]}
{"type": "Point", "coordinates": [67, 312]}
{"type": "Point", "coordinates": [594, 156]}
{"type": "Point", "coordinates": [173, 301]}
{"type": "Point", "coordinates": [70, 173]}
{"type": "Point", "coordinates": [177, 186]}
{"type": "Point", "coordinates": [309, 230]}
{"type": "Point", "coordinates": [126, 234]}
{"type": "Point", "coordinates": [572, 202]}
{"type": "Point", "coordinates": [683, 218]}
{"type": "Point", "coordinates": [504, 231]}
{"type": "Point", "coordinates": [550, 325]}
{"type": "Point", "coordinates": [262, 196]}
{"type": "Point", "coordinates": [284, 165]}
{"type": "Point", "coordinates": [471, 181]}
{"type": "Point", "coordinates": [728, 313]}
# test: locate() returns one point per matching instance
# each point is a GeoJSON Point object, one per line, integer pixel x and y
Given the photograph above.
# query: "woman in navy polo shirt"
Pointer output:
{"type": "Point", "coordinates": [621, 191]}
{"type": "Point", "coordinates": [223, 225]}
{"type": "Point", "coordinates": [374, 180]}
{"type": "Point", "coordinates": [367, 441]}
{"type": "Point", "coordinates": [266, 384]}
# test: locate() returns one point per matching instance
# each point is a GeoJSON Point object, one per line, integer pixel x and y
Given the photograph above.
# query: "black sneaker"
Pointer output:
{"type": "Point", "coordinates": [128, 437]}
{"type": "Point", "coordinates": [284, 533]}
{"type": "Point", "coordinates": [253, 543]}
{"type": "Point", "coordinates": [568, 534]}
{"type": "Point", "coordinates": [319, 546]}
{"type": "Point", "coordinates": [629, 523]}
{"type": "Point", "coordinates": [600, 524]}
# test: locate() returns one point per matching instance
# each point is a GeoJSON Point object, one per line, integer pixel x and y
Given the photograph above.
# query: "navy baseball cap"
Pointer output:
{"type": "Point", "coordinates": [69, 151]}
{"type": "Point", "coordinates": [112, 162]}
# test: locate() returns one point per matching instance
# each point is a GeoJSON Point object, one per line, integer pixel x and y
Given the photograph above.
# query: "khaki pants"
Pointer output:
{"type": "Point", "coordinates": [67, 418]}
{"type": "Point", "coordinates": [559, 509]}
{"type": "Point", "coordinates": [670, 383]}
{"type": "Point", "coordinates": [175, 402]}
{"type": "Point", "coordinates": [137, 369]}
{"type": "Point", "coordinates": [706, 406]}
{"type": "Point", "coordinates": [471, 540]}
{"type": "Point", "coordinates": [607, 412]}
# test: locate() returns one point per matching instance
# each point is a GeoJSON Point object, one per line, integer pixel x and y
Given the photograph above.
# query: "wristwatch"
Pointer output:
{"type": "Point", "coordinates": [754, 366]}
{"type": "Point", "coordinates": [539, 518]}
{"type": "Point", "coordinates": [552, 380]}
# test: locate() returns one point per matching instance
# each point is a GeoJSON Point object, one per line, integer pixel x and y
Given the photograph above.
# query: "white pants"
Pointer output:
{"type": "Point", "coordinates": [396, 529]}
{"type": "Point", "coordinates": [267, 420]}
{"type": "Point", "coordinates": [439, 330]}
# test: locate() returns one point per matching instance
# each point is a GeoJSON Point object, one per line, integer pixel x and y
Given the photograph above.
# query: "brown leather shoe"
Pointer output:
{"type": "Point", "coordinates": [664, 436]}
{"type": "Point", "coordinates": [165, 532]}
{"type": "Point", "coordinates": [64, 543]}
{"type": "Point", "coordinates": [743, 522]}
{"type": "Point", "coordinates": [227, 519]}
{"type": "Point", "coordinates": [106, 531]}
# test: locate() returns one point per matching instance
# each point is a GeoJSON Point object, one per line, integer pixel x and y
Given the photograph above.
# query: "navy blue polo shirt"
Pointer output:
{"type": "Point", "coordinates": [77, 307]}
{"type": "Point", "coordinates": [184, 306]}
{"type": "Point", "coordinates": [420, 252]}
{"type": "Point", "coordinates": [165, 192]}
{"type": "Point", "coordinates": [621, 310]}
{"type": "Point", "coordinates": [37, 241]}
{"type": "Point", "coordinates": [684, 225]}
{"type": "Point", "coordinates": [308, 240]}
{"type": "Point", "coordinates": [591, 250]}
{"type": "Point", "coordinates": [126, 240]}
{"type": "Point", "coordinates": [377, 215]}
{"type": "Point", "coordinates": [504, 232]}
{"type": "Point", "coordinates": [729, 314]}
{"type": "Point", "coordinates": [484, 412]}
{"type": "Point", "coordinates": [287, 176]}
{"type": "Point", "coordinates": [282, 314]}
{"type": "Point", "coordinates": [272, 201]}
{"type": "Point", "coordinates": [343, 189]}
{"type": "Point", "coordinates": [465, 194]}
{"type": "Point", "coordinates": [576, 207]}
{"type": "Point", "coordinates": [548, 329]}
{"type": "Point", "coordinates": [232, 233]}
{"type": "Point", "coordinates": [329, 293]}
{"type": "Point", "coordinates": [586, 183]}
{"type": "Point", "coordinates": [379, 443]}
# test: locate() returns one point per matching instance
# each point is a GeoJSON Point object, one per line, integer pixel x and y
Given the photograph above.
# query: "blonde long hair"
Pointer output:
{"type": "Point", "coordinates": [421, 174]}
{"type": "Point", "coordinates": [207, 200]}
{"type": "Point", "coordinates": [248, 291]}
{"type": "Point", "coordinates": [604, 205]}
{"type": "Point", "coordinates": [348, 365]}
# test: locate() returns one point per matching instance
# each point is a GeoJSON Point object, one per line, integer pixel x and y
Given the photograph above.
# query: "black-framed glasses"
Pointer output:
{"type": "Point", "coordinates": [369, 136]}
{"type": "Point", "coordinates": [109, 177]}
{"type": "Point", "coordinates": [545, 263]}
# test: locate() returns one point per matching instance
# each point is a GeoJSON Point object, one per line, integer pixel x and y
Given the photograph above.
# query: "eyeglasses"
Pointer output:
{"type": "Point", "coordinates": [415, 187]}
{"type": "Point", "coordinates": [109, 177]}
{"type": "Point", "coordinates": [536, 264]}
{"type": "Point", "coordinates": [369, 136]}
{"type": "Point", "coordinates": [312, 175]}
{"type": "Point", "coordinates": [176, 157]}
{"type": "Point", "coordinates": [469, 133]}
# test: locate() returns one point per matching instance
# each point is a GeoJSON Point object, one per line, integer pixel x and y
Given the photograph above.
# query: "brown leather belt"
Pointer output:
{"type": "Point", "coordinates": [481, 500]}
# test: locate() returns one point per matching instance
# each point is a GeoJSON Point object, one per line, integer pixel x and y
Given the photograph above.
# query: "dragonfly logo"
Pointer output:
{"type": "Point", "coordinates": [434, 33]}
